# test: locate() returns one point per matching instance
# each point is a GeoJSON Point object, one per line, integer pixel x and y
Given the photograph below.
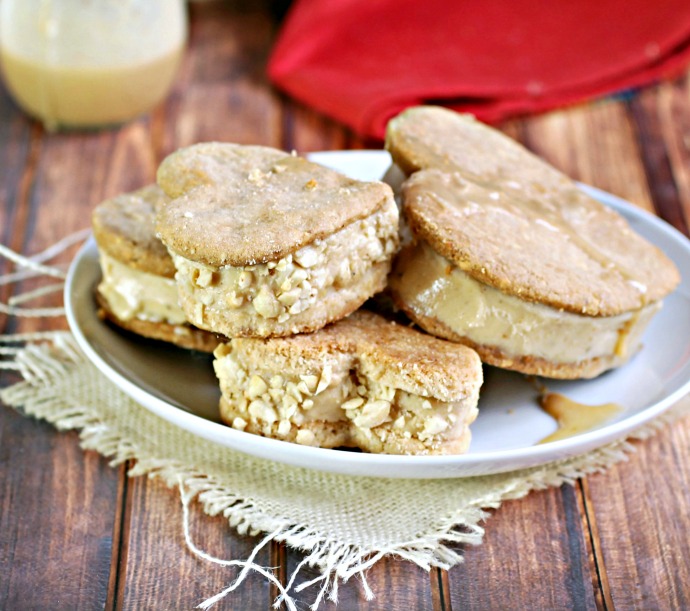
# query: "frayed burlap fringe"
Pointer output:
{"type": "Point", "coordinates": [334, 520]}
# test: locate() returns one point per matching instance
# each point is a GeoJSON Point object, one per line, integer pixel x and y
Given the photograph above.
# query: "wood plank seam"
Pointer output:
{"type": "Point", "coordinates": [125, 509]}
{"type": "Point", "coordinates": [112, 598]}
{"type": "Point", "coordinates": [595, 542]}
{"type": "Point", "coordinates": [657, 166]}
{"type": "Point", "coordinates": [443, 589]}
{"type": "Point", "coordinates": [278, 560]}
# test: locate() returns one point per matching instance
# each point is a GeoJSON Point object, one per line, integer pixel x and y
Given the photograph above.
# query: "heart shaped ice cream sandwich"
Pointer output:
{"type": "Point", "coordinates": [512, 258]}
{"type": "Point", "coordinates": [138, 291]}
{"type": "Point", "coordinates": [362, 382]}
{"type": "Point", "coordinates": [269, 244]}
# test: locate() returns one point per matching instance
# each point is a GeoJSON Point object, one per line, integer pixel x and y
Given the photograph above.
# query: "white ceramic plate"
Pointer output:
{"type": "Point", "coordinates": [180, 386]}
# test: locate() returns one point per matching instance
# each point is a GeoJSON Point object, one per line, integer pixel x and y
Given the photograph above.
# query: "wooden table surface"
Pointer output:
{"type": "Point", "coordinates": [78, 534]}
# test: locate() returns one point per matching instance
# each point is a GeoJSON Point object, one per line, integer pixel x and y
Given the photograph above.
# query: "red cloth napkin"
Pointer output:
{"type": "Point", "coordinates": [364, 61]}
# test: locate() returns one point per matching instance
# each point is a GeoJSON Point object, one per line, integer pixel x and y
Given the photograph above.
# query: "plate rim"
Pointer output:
{"type": "Point", "coordinates": [421, 467]}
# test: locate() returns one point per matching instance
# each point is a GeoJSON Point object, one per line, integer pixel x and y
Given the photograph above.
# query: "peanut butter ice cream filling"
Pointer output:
{"type": "Point", "coordinates": [431, 286]}
{"type": "Point", "coordinates": [135, 294]}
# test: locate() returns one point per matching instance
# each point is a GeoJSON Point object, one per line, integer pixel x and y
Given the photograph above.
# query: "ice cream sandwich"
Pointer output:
{"type": "Point", "coordinates": [512, 258]}
{"type": "Point", "coordinates": [362, 382]}
{"type": "Point", "coordinates": [269, 244]}
{"type": "Point", "coordinates": [137, 291]}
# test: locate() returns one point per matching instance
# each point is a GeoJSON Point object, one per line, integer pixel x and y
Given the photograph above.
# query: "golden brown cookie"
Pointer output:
{"type": "Point", "coordinates": [211, 163]}
{"type": "Point", "coordinates": [137, 290]}
{"type": "Point", "coordinates": [124, 229]}
{"type": "Point", "coordinates": [512, 258]}
{"type": "Point", "coordinates": [362, 382]}
{"type": "Point", "coordinates": [425, 137]}
{"type": "Point", "coordinates": [285, 246]}
{"type": "Point", "coordinates": [571, 253]}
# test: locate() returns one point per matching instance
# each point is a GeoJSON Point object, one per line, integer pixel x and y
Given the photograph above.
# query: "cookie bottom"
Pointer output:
{"type": "Point", "coordinates": [184, 336]}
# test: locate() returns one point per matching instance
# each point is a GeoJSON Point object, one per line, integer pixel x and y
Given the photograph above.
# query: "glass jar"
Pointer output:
{"type": "Point", "coordinates": [90, 63]}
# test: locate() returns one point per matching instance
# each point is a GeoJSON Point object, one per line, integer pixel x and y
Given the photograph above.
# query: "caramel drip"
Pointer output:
{"type": "Point", "coordinates": [621, 348]}
{"type": "Point", "coordinates": [572, 417]}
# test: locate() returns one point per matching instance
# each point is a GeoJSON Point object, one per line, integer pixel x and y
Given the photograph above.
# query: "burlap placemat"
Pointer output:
{"type": "Point", "coordinates": [335, 520]}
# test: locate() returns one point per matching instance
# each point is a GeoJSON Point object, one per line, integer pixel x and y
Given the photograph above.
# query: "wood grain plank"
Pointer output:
{"type": "Point", "coordinates": [161, 573]}
{"type": "Point", "coordinates": [306, 131]}
{"type": "Point", "coordinates": [71, 496]}
{"type": "Point", "coordinates": [56, 518]}
{"type": "Point", "coordinates": [19, 146]}
{"type": "Point", "coordinates": [222, 93]}
{"type": "Point", "coordinates": [440, 589]}
{"type": "Point", "coordinates": [397, 585]}
{"type": "Point", "coordinates": [278, 559]}
{"type": "Point", "coordinates": [598, 569]}
{"type": "Point", "coordinates": [15, 151]}
{"type": "Point", "coordinates": [673, 109]}
{"type": "Point", "coordinates": [117, 557]}
{"type": "Point", "coordinates": [534, 556]}
{"type": "Point", "coordinates": [642, 510]}
{"type": "Point", "coordinates": [644, 110]}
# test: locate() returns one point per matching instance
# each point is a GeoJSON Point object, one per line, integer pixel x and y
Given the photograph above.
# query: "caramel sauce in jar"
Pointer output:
{"type": "Point", "coordinates": [90, 63]}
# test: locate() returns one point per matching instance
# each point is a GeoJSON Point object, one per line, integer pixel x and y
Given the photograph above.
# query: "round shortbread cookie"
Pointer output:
{"type": "Point", "coordinates": [571, 253]}
{"type": "Point", "coordinates": [514, 222]}
{"type": "Point", "coordinates": [211, 163]}
{"type": "Point", "coordinates": [425, 137]}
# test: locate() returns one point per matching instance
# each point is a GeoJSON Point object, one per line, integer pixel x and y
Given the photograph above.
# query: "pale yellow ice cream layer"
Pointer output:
{"type": "Point", "coordinates": [431, 285]}
{"type": "Point", "coordinates": [133, 294]}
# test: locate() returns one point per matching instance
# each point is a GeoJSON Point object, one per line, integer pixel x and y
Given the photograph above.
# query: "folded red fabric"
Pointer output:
{"type": "Point", "coordinates": [363, 61]}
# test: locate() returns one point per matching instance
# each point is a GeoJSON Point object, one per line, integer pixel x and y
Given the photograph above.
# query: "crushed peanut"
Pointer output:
{"type": "Point", "coordinates": [282, 404]}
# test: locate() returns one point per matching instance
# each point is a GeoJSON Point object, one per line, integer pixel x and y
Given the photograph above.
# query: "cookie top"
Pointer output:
{"type": "Point", "coordinates": [393, 354]}
{"type": "Point", "coordinates": [124, 229]}
{"type": "Point", "coordinates": [259, 212]}
{"type": "Point", "coordinates": [211, 163]}
{"type": "Point", "coordinates": [434, 137]}
{"type": "Point", "coordinates": [569, 252]}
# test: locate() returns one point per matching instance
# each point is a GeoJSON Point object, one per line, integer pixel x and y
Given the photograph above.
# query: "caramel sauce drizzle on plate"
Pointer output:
{"type": "Point", "coordinates": [572, 417]}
